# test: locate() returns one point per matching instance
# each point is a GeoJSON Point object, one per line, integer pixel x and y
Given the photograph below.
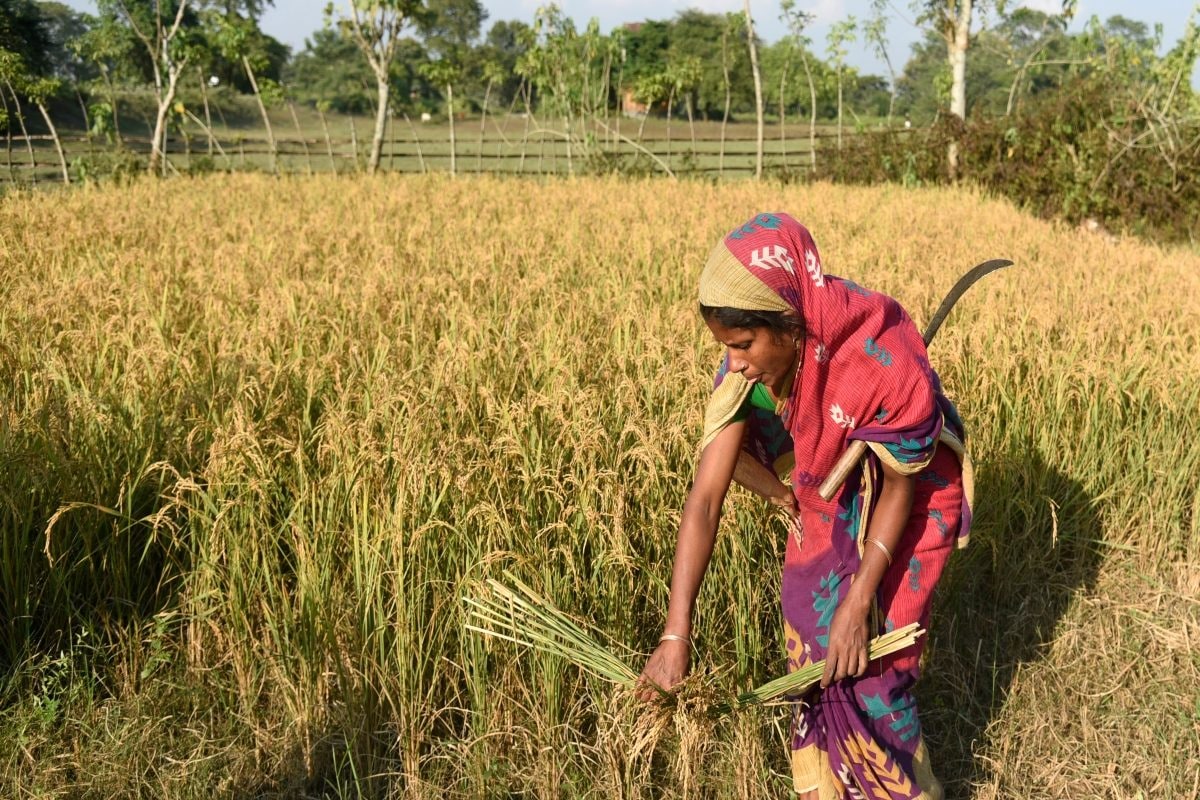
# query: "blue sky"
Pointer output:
{"type": "Point", "coordinates": [291, 21]}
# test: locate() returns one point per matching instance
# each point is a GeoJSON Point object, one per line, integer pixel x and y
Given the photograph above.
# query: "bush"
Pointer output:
{"type": "Point", "coordinates": [1081, 152]}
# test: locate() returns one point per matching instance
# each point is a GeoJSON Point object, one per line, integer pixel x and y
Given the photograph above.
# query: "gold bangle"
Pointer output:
{"type": "Point", "coordinates": [674, 637]}
{"type": "Point", "coordinates": [886, 553]}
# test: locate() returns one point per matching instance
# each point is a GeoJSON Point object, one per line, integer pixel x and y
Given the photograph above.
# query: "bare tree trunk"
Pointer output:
{"type": "Point", "coordinates": [24, 133]}
{"type": "Point", "coordinates": [8, 154]}
{"type": "Point", "coordinates": [670, 103]}
{"type": "Point", "coordinates": [62, 158]}
{"type": "Point", "coordinates": [728, 97]}
{"type": "Point", "coordinates": [417, 142]}
{"type": "Point", "coordinates": [303, 142]}
{"type": "Point", "coordinates": [839, 125]}
{"type": "Point", "coordinates": [391, 141]}
{"type": "Point", "coordinates": [450, 109]}
{"type": "Point", "coordinates": [758, 93]}
{"type": "Point", "coordinates": [87, 120]}
{"type": "Point", "coordinates": [487, 95]}
{"type": "Point", "coordinates": [957, 43]}
{"type": "Point", "coordinates": [525, 135]}
{"type": "Point", "coordinates": [158, 148]}
{"type": "Point", "coordinates": [812, 112]}
{"type": "Point", "coordinates": [783, 108]}
{"type": "Point", "coordinates": [691, 124]}
{"type": "Point", "coordinates": [328, 141]}
{"type": "Point", "coordinates": [384, 88]}
{"type": "Point", "coordinates": [207, 115]}
{"type": "Point", "coordinates": [272, 158]}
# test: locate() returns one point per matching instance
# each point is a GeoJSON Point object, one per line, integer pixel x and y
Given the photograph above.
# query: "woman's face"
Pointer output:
{"type": "Point", "coordinates": [759, 354]}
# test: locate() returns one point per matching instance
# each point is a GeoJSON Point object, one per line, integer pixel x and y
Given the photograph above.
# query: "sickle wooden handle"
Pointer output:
{"type": "Point", "coordinates": [837, 476]}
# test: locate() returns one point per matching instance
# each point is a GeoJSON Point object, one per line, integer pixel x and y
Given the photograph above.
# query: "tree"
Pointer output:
{"type": "Point", "coordinates": [840, 34]}
{"type": "Point", "coordinates": [758, 94]}
{"type": "Point", "coordinates": [875, 33]}
{"type": "Point", "coordinates": [24, 33]}
{"type": "Point", "coordinates": [238, 39]}
{"type": "Point", "coordinates": [165, 31]}
{"type": "Point", "coordinates": [110, 48]}
{"type": "Point", "coordinates": [375, 26]}
{"type": "Point", "coordinates": [952, 20]}
{"type": "Point", "coordinates": [17, 78]}
{"type": "Point", "coordinates": [797, 21]}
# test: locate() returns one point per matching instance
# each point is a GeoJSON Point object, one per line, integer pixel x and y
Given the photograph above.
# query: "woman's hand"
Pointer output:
{"type": "Point", "coordinates": [847, 652]}
{"type": "Point", "coordinates": [665, 668]}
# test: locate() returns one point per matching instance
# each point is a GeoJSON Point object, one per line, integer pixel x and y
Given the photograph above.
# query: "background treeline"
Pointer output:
{"type": "Point", "coordinates": [1098, 123]}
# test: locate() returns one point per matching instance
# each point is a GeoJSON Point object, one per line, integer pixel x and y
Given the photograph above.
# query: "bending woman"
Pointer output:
{"type": "Point", "coordinates": [813, 361]}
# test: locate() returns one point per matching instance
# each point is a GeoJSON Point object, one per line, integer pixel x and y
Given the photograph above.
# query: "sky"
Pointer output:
{"type": "Point", "coordinates": [291, 21]}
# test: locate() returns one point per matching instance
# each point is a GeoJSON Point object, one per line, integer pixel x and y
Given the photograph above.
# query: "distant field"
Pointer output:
{"type": "Point", "coordinates": [501, 143]}
{"type": "Point", "coordinates": [259, 436]}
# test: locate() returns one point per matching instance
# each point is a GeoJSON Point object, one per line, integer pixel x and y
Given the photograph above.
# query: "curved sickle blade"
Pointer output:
{"type": "Point", "coordinates": [963, 284]}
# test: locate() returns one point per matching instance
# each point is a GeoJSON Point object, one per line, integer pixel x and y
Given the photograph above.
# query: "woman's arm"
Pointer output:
{"type": "Point", "coordinates": [763, 482]}
{"type": "Point", "coordinates": [668, 664]}
{"type": "Point", "coordinates": [848, 635]}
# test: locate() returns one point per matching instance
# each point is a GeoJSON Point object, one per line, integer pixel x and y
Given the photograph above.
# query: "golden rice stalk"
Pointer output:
{"type": "Point", "coordinates": [526, 618]}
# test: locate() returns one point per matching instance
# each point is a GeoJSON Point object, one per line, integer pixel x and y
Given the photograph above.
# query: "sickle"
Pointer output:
{"type": "Point", "coordinates": [857, 448]}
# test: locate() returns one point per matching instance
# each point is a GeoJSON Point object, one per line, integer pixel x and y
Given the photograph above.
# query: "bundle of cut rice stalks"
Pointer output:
{"type": "Point", "coordinates": [524, 617]}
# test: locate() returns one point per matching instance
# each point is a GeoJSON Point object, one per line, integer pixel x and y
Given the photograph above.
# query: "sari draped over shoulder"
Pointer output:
{"type": "Point", "coordinates": [864, 374]}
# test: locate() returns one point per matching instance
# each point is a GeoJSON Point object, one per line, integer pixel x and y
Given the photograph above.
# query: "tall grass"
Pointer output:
{"type": "Point", "coordinates": [257, 436]}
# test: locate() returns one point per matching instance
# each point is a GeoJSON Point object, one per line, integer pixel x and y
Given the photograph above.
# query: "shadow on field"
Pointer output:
{"type": "Point", "coordinates": [1000, 602]}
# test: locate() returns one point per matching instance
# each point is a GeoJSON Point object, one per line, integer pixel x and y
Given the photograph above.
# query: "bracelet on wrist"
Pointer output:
{"type": "Point", "coordinates": [674, 637]}
{"type": "Point", "coordinates": [883, 548]}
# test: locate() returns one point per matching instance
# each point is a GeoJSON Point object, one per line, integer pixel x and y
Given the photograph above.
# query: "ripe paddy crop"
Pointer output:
{"type": "Point", "coordinates": [258, 437]}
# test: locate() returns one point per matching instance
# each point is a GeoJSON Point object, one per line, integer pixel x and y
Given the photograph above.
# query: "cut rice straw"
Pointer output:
{"type": "Point", "coordinates": [523, 617]}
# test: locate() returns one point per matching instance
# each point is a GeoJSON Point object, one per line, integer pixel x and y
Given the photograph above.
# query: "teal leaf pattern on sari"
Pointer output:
{"type": "Point", "coordinates": [909, 450]}
{"type": "Point", "coordinates": [825, 603]}
{"type": "Point", "coordinates": [852, 516]}
{"type": "Point", "coordinates": [905, 725]}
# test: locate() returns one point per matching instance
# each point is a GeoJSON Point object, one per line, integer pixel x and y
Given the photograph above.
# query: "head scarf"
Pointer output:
{"type": "Point", "coordinates": [864, 373]}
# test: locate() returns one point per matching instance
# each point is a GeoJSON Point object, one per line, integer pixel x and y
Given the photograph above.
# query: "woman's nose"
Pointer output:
{"type": "Point", "coordinates": [737, 363]}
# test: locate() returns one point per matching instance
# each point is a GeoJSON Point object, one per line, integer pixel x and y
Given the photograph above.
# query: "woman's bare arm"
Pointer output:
{"type": "Point", "coordinates": [668, 664]}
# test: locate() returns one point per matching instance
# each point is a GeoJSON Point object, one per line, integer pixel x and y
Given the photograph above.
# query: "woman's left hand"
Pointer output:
{"type": "Point", "coordinates": [847, 652]}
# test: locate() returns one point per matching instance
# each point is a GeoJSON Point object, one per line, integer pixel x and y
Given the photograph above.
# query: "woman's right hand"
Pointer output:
{"type": "Point", "coordinates": [666, 667]}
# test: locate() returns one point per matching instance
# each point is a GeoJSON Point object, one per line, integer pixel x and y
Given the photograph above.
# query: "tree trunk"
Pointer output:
{"type": "Point", "coordinates": [354, 144]}
{"type": "Point", "coordinates": [691, 125]}
{"type": "Point", "coordinates": [487, 95]}
{"type": "Point", "coordinates": [328, 141]}
{"type": "Point", "coordinates": [262, 109]}
{"type": "Point", "coordinates": [728, 97]}
{"type": "Point", "coordinates": [303, 142]}
{"type": "Point", "coordinates": [417, 142]}
{"type": "Point", "coordinates": [758, 93]}
{"type": "Point", "coordinates": [783, 109]}
{"type": "Point", "coordinates": [670, 103]}
{"type": "Point", "coordinates": [812, 112]}
{"type": "Point", "coordinates": [839, 129]}
{"type": "Point", "coordinates": [384, 88]}
{"type": "Point", "coordinates": [24, 133]}
{"type": "Point", "coordinates": [957, 43]}
{"type": "Point", "coordinates": [207, 114]}
{"type": "Point", "coordinates": [450, 109]}
{"type": "Point", "coordinates": [158, 150]}
{"type": "Point", "coordinates": [8, 155]}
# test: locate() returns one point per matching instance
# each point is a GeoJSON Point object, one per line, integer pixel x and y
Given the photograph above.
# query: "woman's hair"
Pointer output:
{"type": "Point", "coordinates": [780, 323]}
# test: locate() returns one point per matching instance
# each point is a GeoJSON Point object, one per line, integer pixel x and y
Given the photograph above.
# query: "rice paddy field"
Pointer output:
{"type": "Point", "coordinates": [259, 437]}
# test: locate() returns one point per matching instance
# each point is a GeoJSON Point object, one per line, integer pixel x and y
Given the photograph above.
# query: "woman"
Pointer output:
{"type": "Point", "coordinates": [812, 362]}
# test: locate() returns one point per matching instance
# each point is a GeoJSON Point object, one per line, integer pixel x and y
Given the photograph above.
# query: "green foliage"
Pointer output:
{"type": "Point", "coordinates": [24, 32]}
